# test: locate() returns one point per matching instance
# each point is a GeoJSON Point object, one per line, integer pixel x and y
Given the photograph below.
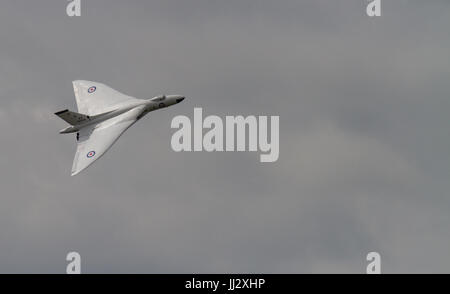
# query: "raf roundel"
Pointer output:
{"type": "Point", "coordinates": [92, 89]}
{"type": "Point", "coordinates": [91, 154]}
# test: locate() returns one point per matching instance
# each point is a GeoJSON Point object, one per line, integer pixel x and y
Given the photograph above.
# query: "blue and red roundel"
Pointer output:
{"type": "Point", "coordinates": [90, 154]}
{"type": "Point", "coordinates": [92, 89]}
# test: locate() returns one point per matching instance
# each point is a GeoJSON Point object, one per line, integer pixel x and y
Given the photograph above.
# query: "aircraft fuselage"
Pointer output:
{"type": "Point", "coordinates": [145, 107]}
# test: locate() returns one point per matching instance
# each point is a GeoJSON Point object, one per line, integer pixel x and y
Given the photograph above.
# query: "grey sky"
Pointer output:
{"type": "Point", "coordinates": [364, 137]}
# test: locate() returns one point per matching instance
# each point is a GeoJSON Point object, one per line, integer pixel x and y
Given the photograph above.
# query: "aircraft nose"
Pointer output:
{"type": "Point", "coordinates": [180, 99]}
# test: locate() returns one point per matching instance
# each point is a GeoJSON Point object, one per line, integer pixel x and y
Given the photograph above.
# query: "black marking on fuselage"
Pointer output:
{"type": "Point", "coordinates": [61, 112]}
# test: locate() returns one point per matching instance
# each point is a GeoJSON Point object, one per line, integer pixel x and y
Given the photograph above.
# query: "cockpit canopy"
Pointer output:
{"type": "Point", "coordinates": [159, 98]}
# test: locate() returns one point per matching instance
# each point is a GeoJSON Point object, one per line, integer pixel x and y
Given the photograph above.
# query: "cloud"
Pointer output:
{"type": "Point", "coordinates": [363, 106]}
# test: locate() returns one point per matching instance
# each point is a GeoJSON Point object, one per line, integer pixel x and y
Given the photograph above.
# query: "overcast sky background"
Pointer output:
{"type": "Point", "coordinates": [364, 137]}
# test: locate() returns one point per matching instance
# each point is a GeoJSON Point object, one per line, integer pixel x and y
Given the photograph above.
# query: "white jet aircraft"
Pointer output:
{"type": "Point", "coordinates": [105, 115]}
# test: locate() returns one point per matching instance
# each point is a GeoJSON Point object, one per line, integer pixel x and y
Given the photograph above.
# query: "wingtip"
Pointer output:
{"type": "Point", "coordinates": [78, 171]}
{"type": "Point", "coordinates": [74, 173]}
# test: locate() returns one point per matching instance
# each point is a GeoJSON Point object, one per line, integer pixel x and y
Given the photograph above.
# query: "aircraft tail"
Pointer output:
{"type": "Point", "coordinates": [72, 118]}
